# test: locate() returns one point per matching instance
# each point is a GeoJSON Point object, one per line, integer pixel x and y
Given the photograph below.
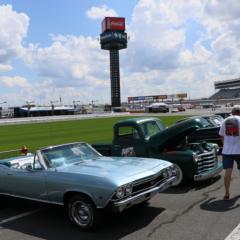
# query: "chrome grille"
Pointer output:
{"type": "Point", "coordinates": [146, 183]}
{"type": "Point", "coordinates": [207, 161]}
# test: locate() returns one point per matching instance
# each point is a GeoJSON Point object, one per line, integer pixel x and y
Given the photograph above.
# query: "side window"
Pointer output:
{"type": "Point", "coordinates": [128, 133]}
{"type": "Point", "coordinates": [36, 163]}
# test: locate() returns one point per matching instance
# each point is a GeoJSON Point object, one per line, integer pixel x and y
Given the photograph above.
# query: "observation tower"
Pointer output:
{"type": "Point", "coordinates": [114, 38]}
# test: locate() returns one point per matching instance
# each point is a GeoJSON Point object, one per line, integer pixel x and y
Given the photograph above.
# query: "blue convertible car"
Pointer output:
{"type": "Point", "coordinates": [77, 176]}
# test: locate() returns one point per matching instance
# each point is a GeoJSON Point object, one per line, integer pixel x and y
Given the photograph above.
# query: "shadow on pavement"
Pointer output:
{"type": "Point", "coordinates": [191, 185]}
{"type": "Point", "coordinates": [52, 223]}
{"type": "Point", "coordinates": [221, 205]}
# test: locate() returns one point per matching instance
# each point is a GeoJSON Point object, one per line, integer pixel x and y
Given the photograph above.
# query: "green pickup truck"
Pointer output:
{"type": "Point", "coordinates": [148, 137]}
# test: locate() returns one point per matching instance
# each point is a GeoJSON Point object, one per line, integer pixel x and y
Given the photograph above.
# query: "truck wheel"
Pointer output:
{"type": "Point", "coordinates": [82, 212]}
{"type": "Point", "coordinates": [179, 176]}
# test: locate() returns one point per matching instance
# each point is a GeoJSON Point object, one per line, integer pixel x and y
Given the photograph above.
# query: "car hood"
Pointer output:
{"type": "Point", "coordinates": [117, 168]}
{"type": "Point", "coordinates": [177, 131]}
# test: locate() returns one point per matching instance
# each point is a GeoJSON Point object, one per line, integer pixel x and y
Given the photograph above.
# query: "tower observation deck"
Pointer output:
{"type": "Point", "coordinates": [114, 38]}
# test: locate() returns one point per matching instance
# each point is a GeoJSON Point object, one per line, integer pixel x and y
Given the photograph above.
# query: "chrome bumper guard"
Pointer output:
{"type": "Point", "coordinates": [143, 196]}
{"type": "Point", "coordinates": [211, 173]}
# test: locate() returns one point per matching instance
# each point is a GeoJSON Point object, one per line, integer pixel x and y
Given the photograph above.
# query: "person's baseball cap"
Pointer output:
{"type": "Point", "coordinates": [236, 109]}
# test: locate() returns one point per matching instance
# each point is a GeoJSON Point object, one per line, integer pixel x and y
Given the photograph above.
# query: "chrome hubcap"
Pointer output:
{"type": "Point", "coordinates": [81, 213]}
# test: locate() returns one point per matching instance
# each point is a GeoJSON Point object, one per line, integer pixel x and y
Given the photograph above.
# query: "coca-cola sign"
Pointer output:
{"type": "Point", "coordinates": [113, 24]}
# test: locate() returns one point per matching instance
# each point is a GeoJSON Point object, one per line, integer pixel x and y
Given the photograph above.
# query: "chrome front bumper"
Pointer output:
{"type": "Point", "coordinates": [143, 196]}
{"type": "Point", "coordinates": [211, 173]}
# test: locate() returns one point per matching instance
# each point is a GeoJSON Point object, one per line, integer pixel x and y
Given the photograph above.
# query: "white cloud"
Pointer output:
{"type": "Point", "coordinates": [13, 28]}
{"type": "Point", "coordinates": [159, 46]}
{"type": "Point", "coordinates": [175, 46]}
{"type": "Point", "coordinates": [16, 81]}
{"type": "Point", "coordinates": [71, 61]}
{"type": "Point", "coordinates": [101, 12]}
{"type": "Point", "coordinates": [5, 68]}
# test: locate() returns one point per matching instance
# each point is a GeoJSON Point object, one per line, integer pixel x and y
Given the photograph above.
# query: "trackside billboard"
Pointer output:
{"type": "Point", "coordinates": [113, 24]}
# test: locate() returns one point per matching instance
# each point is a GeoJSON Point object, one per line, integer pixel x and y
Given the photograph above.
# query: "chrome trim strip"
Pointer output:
{"type": "Point", "coordinates": [32, 199]}
{"type": "Point", "coordinates": [206, 154]}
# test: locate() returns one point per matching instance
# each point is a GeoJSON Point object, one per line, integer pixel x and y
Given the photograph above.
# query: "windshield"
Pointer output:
{"type": "Point", "coordinates": [151, 128]}
{"type": "Point", "coordinates": [204, 122]}
{"type": "Point", "coordinates": [68, 154]}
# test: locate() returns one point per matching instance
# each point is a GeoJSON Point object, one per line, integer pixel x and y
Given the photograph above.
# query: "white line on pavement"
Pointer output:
{"type": "Point", "coordinates": [19, 216]}
{"type": "Point", "coordinates": [235, 234]}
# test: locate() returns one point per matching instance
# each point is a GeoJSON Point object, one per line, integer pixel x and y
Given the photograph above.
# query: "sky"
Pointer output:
{"type": "Point", "coordinates": [50, 49]}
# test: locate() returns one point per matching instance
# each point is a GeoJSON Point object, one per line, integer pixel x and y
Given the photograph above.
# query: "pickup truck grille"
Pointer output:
{"type": "Point", "coordinates": [206, 162]}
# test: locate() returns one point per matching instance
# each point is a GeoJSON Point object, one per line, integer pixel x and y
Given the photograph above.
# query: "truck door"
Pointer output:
{"type": "Point", "coordinates": [129, 141]}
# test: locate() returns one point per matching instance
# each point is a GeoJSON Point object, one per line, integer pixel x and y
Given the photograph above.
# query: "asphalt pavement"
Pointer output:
{"type": "Point", "coordinates": [194, 211]}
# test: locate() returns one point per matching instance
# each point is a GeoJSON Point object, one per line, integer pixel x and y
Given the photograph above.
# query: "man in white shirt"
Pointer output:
{"type": "Point", "coordinates": [230, 133]}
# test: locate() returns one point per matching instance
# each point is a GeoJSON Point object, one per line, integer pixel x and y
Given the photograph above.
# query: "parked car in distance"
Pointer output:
{"type": "Point", "coordinates": [223, 114]}
{"type": "Point", "coordinates": [78, 177]}
{"type": "Point", "coordinates": [211, 120]}
{"type": "Point", "coordinates": [177, 108]}
{"type": "Point", "coordinates": [157, 108]}
{"type": "Point", "coordinates": [214, 120]}
{"type": "Point", "coordinates": [148, 137]}
{"type": "Point", "coordinates": [208, 129]}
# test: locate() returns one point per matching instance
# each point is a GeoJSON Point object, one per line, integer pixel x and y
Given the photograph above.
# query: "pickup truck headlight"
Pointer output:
{"type": "Point", "coordinates": [120, 192]}
{"type": "Point", "coordinates": [195, 157]}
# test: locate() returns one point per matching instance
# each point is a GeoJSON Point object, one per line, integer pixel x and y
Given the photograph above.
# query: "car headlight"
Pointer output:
{"type": "Point", "coordinates": [195, 157]}
{"type": "Point", "coordinates": [169, 171]}
{"type": "Point", "coordinates": [128, 189]}
{"type": "Point", "coordinates": [173, 169]}
{"type": "Point", "coordinates": [165, 173]}
{"type": "Point", "coordinates": [120, 192]}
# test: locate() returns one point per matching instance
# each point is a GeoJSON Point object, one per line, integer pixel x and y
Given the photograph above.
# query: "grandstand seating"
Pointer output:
{"type": "Point", "coordinates": [226, 94]}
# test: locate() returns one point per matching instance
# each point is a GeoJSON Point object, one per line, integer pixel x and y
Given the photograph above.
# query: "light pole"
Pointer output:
{"type": "Point", "coordinates": [93, 102]}
{"type": "Point", "coordinates": [52, 105]}
{"type": "Point", "coordinates": [75, 103]}
{"type": "Point", "coordinates": [29, 106]}
{"type": "Point", "coordinates": [1, 108]}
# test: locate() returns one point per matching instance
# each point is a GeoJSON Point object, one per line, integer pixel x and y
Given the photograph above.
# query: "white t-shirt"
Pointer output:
{"type": "Point", "coordinates": [230, 131]}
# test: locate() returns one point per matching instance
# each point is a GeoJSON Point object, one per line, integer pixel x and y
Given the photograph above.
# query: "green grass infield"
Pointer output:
{"type": "Point", "coordinates": [39, 135]}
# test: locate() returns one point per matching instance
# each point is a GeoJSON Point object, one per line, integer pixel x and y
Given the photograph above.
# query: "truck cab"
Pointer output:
{"type": "Point", "coordinates": [131, 136]}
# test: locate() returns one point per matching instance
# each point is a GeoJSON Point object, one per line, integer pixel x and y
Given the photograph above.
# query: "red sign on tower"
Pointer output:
{"type": "Point", "coordinates": [113, 24]}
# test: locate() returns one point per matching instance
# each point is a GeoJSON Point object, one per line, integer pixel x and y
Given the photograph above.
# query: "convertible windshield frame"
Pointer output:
{"type": "Point", "coordinates": [65, 154]}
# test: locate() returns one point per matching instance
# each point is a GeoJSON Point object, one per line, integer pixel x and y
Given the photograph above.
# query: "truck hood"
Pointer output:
{"type": "Point", "coordinates": [116, 168]}
{"type": "Point", "coordinates": [178, 131]}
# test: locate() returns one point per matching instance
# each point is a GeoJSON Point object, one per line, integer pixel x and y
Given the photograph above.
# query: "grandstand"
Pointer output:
{"type": "Point", "coordinates": [228, 89]}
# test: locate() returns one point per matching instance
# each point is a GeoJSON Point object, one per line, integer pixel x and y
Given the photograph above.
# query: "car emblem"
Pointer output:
{"type": "Point", "coordinates": [152, 182]}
